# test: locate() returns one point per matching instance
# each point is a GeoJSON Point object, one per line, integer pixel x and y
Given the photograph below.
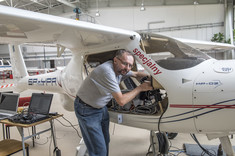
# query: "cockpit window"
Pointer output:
{"type": "Point", "coordinates": [170, 53]}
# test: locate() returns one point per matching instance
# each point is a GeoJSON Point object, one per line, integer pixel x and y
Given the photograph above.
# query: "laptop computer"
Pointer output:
{"type": "Point", "coordinates": [8, 104]}
{"type": "Point", "coordinates": [39, 107]}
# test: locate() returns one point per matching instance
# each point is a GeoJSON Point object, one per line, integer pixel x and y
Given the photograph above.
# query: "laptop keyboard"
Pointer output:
{"type": "Point", "coordinates": [19, 118]}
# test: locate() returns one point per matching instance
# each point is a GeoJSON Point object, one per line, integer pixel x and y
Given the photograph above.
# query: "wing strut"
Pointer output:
{"type": "Point", "coordinates": [18, 65]}
{"type": "Point", "coordinates": [60, 50]}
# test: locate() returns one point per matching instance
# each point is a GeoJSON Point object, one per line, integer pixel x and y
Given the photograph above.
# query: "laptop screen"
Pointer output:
{"type": "Point", "coordinates": [9, 102]}
{"type": "Point", "coordinates": [40, 103]}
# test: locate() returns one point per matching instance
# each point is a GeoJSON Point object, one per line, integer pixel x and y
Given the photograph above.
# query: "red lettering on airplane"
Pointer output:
{"type": "Point", "coordinates": [149, 62]}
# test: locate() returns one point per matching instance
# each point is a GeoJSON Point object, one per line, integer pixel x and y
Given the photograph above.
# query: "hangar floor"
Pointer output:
{"type": "Point", "coordinates": [125, 141]}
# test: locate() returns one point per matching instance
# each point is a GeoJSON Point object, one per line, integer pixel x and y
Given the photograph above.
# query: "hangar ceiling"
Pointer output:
{"type": "Point", "coordinates": [84, 5]}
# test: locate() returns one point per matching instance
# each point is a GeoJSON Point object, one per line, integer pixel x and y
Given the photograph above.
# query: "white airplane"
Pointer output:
{"type": "Point", "coordinates": [193, 93]}
{"type": "Point", "coordinates": [5, 68]}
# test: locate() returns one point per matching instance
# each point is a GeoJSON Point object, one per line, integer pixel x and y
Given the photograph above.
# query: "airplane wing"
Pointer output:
{"type": "Point", "coordinates": [207, 46]}
{"type": "Point", "coordinates": [21, 26]}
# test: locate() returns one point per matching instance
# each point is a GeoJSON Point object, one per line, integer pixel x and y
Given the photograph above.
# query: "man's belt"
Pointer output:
{"type": "Point", "coordinates": [80, 101]}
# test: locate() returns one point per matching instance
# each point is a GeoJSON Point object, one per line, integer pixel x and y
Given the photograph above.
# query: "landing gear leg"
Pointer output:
{"type": "Point", "coordinates": [227, 146]}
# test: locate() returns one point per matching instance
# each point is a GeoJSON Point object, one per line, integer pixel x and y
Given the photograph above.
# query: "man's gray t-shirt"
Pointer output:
{"type": "Point", "coordinates": [96, 90]}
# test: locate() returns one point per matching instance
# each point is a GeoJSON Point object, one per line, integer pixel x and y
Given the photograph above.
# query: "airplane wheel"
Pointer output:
{"type": "Point", "coordinates": [171, 135]}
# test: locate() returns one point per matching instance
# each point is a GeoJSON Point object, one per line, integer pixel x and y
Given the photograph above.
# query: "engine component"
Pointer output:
{"type": "Point", "coordinates": [144, 103]}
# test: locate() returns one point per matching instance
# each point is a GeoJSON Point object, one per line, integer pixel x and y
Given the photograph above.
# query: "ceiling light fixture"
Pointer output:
{"type": "Point", "coordinates": [195, 3]}
{"type": "Point", "coordinates": [142, 8]}
{"type": "Point", "coordinates": [97, 14]}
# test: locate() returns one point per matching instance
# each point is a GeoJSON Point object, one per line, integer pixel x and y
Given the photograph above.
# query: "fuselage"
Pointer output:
{"type": "Point", "coordinates": [199, 99]}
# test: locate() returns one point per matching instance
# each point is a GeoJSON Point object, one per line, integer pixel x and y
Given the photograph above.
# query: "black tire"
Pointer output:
{"type": "Point", "coordinates": [171, 135]}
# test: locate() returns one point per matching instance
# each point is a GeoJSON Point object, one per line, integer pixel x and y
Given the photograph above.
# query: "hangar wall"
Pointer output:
{"type": "Point", "coordinates": [174, 16]}
{"type": "Point", "coordinates": [44, 57]}
{"type": "Point", "coordinates": [4, 51]}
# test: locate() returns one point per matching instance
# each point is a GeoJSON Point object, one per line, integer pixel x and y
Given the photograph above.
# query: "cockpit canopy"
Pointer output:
{"type": "Point", "coordinates": [170, 53]}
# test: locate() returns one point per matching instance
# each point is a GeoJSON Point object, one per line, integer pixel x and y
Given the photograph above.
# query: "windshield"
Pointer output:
{"type": "Point", "coordinates": [170, 53]}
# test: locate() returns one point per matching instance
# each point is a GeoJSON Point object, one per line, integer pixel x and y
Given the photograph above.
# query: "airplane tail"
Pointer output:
{"type": "Point", "coordinates": [17, 62]}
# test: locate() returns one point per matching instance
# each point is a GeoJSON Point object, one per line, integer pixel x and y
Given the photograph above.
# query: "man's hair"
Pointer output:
{"type": "Point", "coordinates": [120, 52]}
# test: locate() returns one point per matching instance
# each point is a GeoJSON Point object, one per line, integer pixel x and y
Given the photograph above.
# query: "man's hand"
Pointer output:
{"type": "Point", "coordinates": [145, 86]}
{"type": "Point", "coordinates": [122, 99]}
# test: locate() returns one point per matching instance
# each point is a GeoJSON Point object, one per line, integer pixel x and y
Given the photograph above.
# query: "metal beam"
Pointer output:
{"type": "Point", "coordinates": [67, 3]}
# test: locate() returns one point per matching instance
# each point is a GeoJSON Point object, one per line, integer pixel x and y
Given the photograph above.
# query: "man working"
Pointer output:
{"type": "Point", "coordinates": [100, 86]}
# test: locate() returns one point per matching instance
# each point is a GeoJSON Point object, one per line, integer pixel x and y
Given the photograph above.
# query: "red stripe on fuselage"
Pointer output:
{"type": "Point", "coordinates": [202, 106]}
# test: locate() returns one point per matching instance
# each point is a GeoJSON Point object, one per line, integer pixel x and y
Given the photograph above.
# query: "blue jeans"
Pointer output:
{"type": "Point", "coordinates": [94, 125]}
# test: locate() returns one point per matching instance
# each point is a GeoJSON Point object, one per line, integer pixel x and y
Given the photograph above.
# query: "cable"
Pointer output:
{"type": "Point", "coordinates": [69, 126]}
{"type": "Point", "coordinates": [64, 124]}
{"type": "Point", "coordinates": [162, 143]}
{"type": "Point", "coordinates": [206, 151]}
{"type": "Point", "coordinates": [149, 152]}
{"type": "Point", "coordinates": [159, 121]}
{"type": "Point", "coordinates": [44, 142]}
{"type": "Point", "coordinates": [177, 150]}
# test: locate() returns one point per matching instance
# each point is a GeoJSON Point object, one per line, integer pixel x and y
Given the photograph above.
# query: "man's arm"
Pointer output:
{"type": "Point", "coordinates": [139, 75]}
{"type": "Point", "coordinates": [122, 99]}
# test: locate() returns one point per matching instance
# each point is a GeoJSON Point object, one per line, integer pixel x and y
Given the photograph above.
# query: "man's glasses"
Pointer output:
{"type": "Point", "coordinates": [125, 63]}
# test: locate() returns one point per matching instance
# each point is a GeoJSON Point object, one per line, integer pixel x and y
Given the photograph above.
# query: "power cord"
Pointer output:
{"type": "Point", "coordinates": [160, 118]}
{"type": "Point", "coordinates": [56, 152]}
{"type": "Point", "coordinates": [71, 125]}
{"type": "Point", "coordinates": [205, 151]}
{"type": "Point", "coordinates": [177, 150]}
{"type": "Point", "coordinates": [149, 152]}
